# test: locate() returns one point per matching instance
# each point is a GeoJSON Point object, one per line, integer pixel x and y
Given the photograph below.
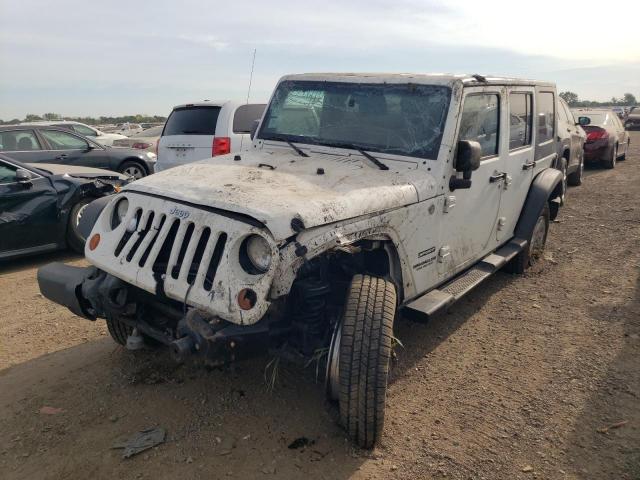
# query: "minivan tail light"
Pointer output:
{"type": "Point", "coordinates": [221, 146]}
{"type": "Point", "coordinates": [597, 134]}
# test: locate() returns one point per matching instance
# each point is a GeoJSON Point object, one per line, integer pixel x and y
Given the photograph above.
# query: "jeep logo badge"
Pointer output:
{"type": "Point", "coordinates": [179, 213]}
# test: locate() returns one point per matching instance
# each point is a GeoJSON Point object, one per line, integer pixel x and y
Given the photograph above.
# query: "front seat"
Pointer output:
{"type": "Point", "coordinates": [25, 143]}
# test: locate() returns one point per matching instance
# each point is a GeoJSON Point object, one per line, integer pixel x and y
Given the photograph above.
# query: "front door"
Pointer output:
{"type": "Point", "coordinates": [518, 162]}
{"type": "Point", "coordinates": [70, 149]}
{"type": "Point", "coordinates": [469, 222]}
{"type": "Point", "coordinates": [28, 212]}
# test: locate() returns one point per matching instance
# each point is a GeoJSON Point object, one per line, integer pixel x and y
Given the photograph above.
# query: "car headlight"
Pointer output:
{"type": "Point", "coordinates": [119, 212]}
{"type": "Point", "coordinates": [255, 255]}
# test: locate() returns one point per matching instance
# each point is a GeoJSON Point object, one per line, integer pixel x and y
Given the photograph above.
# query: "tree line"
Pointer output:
{"type": "Point", "coordinates": [627, 100]}
{"type": "Point", "coordinates": [52, 117]}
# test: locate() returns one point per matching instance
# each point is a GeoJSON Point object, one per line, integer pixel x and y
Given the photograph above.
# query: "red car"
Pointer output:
{"type": "Point", "coordinates": [607, 140]}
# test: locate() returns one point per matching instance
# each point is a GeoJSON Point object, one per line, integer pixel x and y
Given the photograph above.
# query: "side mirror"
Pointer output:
{"type": "Point", "coordinates": [23, 177]}
{"type": "Point", "coordinates": [468, 156]}
{"type": "Point", "coordinates": [584, 121]}
{"type": "Point", "coordinates": [254, 128]}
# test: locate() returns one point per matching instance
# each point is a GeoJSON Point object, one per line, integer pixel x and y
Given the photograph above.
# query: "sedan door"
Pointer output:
{"type": "Point", "coordinates": [23, 144]}
{"type": "Point", "coordinates": [72, 149]}
{"type": "Point", "coordinates": [28, 213]}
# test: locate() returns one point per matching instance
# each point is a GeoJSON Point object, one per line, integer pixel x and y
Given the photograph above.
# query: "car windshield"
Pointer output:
{"type": "Point", "coordinates": [402, 119]}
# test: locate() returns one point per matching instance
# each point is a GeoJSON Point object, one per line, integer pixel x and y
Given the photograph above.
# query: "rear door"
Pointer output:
{"type": "Point", "coordinates": [243, 119]}
{"type": "Point", "coordinates": [23, 145]}
{"type": "Point", "coordinates": [188, 135]}
{"type": "Point", "coordinates": [28, 213]}
{"type": "Point", "coordinates": [517, 163]}
{"type": "Point", "coordinates": [545, 127]}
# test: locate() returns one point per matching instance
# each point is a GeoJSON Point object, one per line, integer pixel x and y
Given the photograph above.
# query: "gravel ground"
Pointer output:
{"type": "Point", "coordinates": [532, 376]}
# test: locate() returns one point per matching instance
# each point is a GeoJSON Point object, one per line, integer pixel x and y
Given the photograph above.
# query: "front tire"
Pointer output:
{"type": "Point", "coordinates": [611, 163]}
{"type": "Point", "coordinates": [535, 245]}
{"type": "Point", "coordinates": [75, 239]}
{"type": "Point", "coordinates": [365, 350]}
{"type": "Point", "coordinates": [575, 178]}
{"type": "Point", "coordinates": [118, 330]}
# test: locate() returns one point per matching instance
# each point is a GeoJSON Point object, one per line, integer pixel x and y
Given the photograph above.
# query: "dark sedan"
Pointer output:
{"type": "Point", "coordinates": [607, 140]}
{"type": "Point", "coordinates": [41, 204]}
{"type": "Point", "coordinates": [633, 119]}
{"type": "Point", "coordinates": [38, 143]}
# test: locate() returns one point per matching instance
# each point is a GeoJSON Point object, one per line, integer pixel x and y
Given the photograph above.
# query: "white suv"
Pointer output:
{"type": "Point", "coordinates": [196, 131]}
{"type": "Point", "coordinates": [105, 139]}
{"type": "Point", "coordinates": [362, 196]}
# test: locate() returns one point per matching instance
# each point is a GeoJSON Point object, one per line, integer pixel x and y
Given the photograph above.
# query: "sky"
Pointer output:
{"type": "Point", "coordinates": [114, 57]}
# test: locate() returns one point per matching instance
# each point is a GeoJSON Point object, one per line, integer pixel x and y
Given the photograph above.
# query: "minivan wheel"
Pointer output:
{"type": "Point", "coordinates": [75, 239]}
{"type": "Point", "coordinates": [563, 169]}
{"type": "Point", "coordinates": [133, 169]}
{"type": "Point", "coordinates": [535, 245]}
{"type": "Point", "coordinates": [575, 178]}
{"type": "Point", "coordinates": [364, 344]}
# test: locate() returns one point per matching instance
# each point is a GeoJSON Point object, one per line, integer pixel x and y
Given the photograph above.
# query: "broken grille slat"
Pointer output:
{"type": "Point", "coordinates": [147, 221]}
{"type": "Point", "coordinates": [151, 241]}
{"type": "Point", "coordinates": [148, 237]}
{"type": "Point", "coordinates": [213, 263]}
{"type": "Point", "coordinates": [126, 234]}
{"type": "Point", "coordinates": [190, 253]}
{"type": "Point", "coordinates": [161, 258]}
{"type": "Point", "coordinates": [133, 238]}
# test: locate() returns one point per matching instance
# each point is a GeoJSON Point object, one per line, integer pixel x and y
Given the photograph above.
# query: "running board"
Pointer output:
{"type": "Point", "coordinates": [441, 298]}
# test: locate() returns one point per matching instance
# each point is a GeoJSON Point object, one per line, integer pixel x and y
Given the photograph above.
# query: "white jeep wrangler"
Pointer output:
{"type": "Point", "coordinates": [363, 195]}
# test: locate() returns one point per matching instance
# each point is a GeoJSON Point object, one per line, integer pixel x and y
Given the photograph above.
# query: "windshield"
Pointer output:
{"type": "Point", "coordinates": [402, 119]}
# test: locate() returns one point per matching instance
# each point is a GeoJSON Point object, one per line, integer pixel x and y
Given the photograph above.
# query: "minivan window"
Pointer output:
{"type": "Point", "coordinates": [402, 119]}
{"type": "Point", "coordinates": [245, 116]}
{"type": "Point", "coordinates": [480, 121]}
{"type": "Point", "coordinates": [18, 141]}
{"type": "Point", "coordinates": [546, 117]}
{"type": "Point", "coordinates": [195, 120]}
{"type": "Point", "coordinates": [521, 116]}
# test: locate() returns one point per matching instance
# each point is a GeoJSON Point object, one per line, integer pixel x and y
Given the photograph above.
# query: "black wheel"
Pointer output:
{"type": "Point", "coordinates": [562, 166]}
{"type": "Point", "coordinates": [613, 156]}
{"type": "Point", "coordinates": [75, 239]}
{"type": "Point", "coordinates": [535, 246]}
{"type": "Point", "coordinates": [574, 179]}
{"type": "Point", "coordinates": [362, 349]}
{"type": "Point", "coordinates": [133, 169]}
{"type": "Point", "coordinates": [118, 330]}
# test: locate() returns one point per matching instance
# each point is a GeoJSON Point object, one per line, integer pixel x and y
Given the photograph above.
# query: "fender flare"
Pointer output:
{"type": "Point", "coordinates": [91, 214]}
{"type": "Point", "coordinates": [544, 188]}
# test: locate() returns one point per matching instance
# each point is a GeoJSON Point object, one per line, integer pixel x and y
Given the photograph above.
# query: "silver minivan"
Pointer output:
{"type": "Point", "coordinates": [195, 131]}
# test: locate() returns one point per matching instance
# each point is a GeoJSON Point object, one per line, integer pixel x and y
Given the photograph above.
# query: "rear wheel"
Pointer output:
{"type": "Point", "coordinates": [133, 169]}
{"type": "Point", "coordinates": [75, 239]}
{"type": "Point", "coordinates": [363, 346]}
{"type": "Point", "coordinates": [611, 162]}
{"type": "Point", "coordinates": [535, 245]}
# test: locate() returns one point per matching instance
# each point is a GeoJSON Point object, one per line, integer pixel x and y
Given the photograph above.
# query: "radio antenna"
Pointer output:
{"type": "Point", "coordinates": [253, 62]}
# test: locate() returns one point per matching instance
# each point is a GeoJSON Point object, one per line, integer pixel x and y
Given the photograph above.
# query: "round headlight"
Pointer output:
{"type": "Point", "coordinates": [119, 212]}
{"type": "Point", "coordinates": [258, 252]}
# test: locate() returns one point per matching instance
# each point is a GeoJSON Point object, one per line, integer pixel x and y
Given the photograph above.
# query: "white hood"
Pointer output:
{"type": "Point", "coordinates": [349, 187]}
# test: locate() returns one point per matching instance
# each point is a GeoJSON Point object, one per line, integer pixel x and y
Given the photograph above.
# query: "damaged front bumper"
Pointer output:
{"type": "Point", "coordinates": [189, 333]}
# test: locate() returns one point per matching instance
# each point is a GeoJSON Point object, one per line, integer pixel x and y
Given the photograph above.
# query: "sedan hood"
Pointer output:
{"type": "Point", "coordinates": [78, 171]}
{"type": "Point", "coordinates": [276, 187]}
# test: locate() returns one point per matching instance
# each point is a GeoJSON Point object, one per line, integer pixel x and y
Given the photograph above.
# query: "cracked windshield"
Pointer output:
{"type": "Point", "coordinates": [402, 119]}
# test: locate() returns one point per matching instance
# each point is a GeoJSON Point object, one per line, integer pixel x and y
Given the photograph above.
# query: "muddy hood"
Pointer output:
{"type": "Point", "coordinates": [276, 187]}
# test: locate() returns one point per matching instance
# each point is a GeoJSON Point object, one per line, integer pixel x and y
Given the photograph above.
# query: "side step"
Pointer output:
{"type": "Point", "coordinates": [443, 297]}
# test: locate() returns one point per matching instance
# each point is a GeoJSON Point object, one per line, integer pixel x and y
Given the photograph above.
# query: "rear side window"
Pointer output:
{"type": "Point", "coordinates": [245, 116]}
{"type": "Point", "coordinates": [521, 117]}
{"type": "Point", "coordinates": [546, 117]}
{"type": "Point", "coordinates": [192, 121]}
{"type": "Point", "coordinates": [480, 121]}
{"type": "Point", "coordinates": [86, 131]}
{"type": "Point", "coordinates": [18, 141]}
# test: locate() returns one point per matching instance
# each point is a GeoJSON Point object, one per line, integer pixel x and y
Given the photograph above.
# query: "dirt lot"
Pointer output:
{"type": "Point", "coordinates": [529, 377]}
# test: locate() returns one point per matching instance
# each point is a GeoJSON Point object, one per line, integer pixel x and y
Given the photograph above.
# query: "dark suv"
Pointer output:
{"type": "Point", "coordinates": [38, 143]}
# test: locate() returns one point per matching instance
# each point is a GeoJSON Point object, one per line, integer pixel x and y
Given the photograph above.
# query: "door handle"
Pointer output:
{"type": "Point", "coordinates": [497, 176]}
{"type": "Point", "coordinates": [528, 166]}
{"type": "Point", "coordinates": [61, 157]}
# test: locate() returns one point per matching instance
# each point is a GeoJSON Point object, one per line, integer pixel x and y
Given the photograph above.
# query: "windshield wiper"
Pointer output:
{"type": "Point", "coordinates": [373, 159]}
{"type": "Point", "coordinates": [358, 149]}
{"type": "Point", "coordinates": [278, 138]}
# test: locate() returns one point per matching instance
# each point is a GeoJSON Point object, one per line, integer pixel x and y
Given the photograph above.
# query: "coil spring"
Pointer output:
{"type": "Point", "coordinates": [309, 313]}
